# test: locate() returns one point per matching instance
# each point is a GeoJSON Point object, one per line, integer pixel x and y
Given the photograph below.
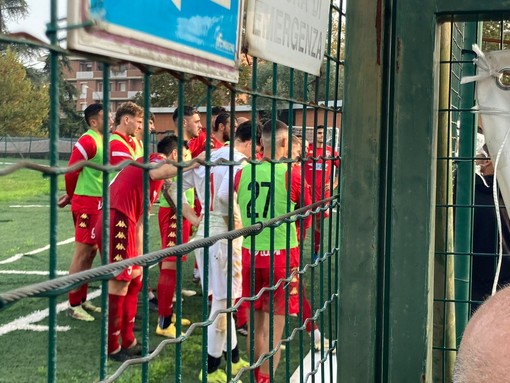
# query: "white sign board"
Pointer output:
{"type": "Point", "coordinates": [194, 36]}
{"type": "Point", "coordinates": [288, 32]}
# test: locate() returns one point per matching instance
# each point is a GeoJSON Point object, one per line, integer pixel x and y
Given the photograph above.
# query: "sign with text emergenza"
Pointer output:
{"type": "Point", "coordinates": [288, 32]}
{"type": "Point", "coordinates": [194, 36]}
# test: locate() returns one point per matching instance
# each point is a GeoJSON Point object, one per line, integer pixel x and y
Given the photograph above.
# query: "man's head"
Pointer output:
{"type": "Point", "coordinates": [485, 346]}
{"type": "Point", "coordinates": [191, 122]}
{"type": "Point", "coordinates": [168, 146]}
{"type": "Point", "coordinates": [222, 125]}
{"type": "Point", "coordinates": [129, 118]}
{"type": "Point", "coordinates": [94, 117]}
{"type": "Point", "coordinates": [152, 123]}
{"type": "Point", "coordinates": [319, 133]}
{"type": "Point", "coordinates": [296, 146]}
{"type": "Point", "coordinates": [243, 138]}
{"type": "Point", "coordinates": [215, 111]}
{"type": "Point", "coordinates": [281, 131]}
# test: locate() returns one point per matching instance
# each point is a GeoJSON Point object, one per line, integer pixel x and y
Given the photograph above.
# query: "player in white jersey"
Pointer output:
{"type": "Point", "coordinates": [219, 189]}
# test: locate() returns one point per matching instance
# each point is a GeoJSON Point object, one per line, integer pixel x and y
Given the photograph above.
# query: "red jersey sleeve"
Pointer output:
{"type": "Point", "coordinates": [299, 187]}
{"type": "Point", "coordinates": [237, 180]}
{"type": "Point", "coordinates": [84, 149]}
{"type": "Point", "coordinates": [197, 144]}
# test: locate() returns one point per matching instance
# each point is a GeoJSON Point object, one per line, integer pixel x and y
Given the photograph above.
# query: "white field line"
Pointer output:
{"type": "Point", "coordinates": [27, 322]}
{"type": "Point", "coordinates": [15, 257]}
{"type": "Point", "coordinates": [30, 206]}
{"type": "Point", "coordinates": [22, 272]}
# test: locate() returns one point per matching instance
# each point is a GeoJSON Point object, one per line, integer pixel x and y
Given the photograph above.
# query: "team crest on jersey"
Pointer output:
{"type": "Point", "coordinates": [172, 234]}
{"type": "Point", "coordinates": [121, 223]}
{"type": "Point", "coordinates": [173, 226]}
{"type": "Point", "coordinates": [173, 217]}
{"type": "Point", "coordinates": [120, 235]}
{"type": "Point", "coordinates": [120, 246]}
{"type": "Point", "coordinates": [170, 243]}
{"type": "Point", "coordinates": [118, 258]}
{"type": "Point", "coordinates": [84, 216]}
{"type": "Point", "coordinates": [83, 225]}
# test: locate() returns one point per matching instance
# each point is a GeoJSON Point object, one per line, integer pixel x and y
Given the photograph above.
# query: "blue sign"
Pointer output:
{"type": "Point", "coordinates": [194, 36]}
{"type": "Point", "coordinates": [206, 25]}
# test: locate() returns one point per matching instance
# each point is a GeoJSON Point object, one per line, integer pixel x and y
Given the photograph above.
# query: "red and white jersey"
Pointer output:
{"type": "Point", "coordinates": [318, 167]}
{"type": "Point", "coordinates": [122, 148]}
{"type": "Point", "coordinates": [126, 189]}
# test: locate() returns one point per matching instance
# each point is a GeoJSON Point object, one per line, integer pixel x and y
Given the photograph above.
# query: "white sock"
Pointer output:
{"type": "Point", "coordinates": [316, 335]}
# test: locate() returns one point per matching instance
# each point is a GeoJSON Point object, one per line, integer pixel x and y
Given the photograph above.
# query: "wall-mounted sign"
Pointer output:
{"type": "Point", "coordinates": [288, 32]}
{"type": "Point", "coordinates": [194, 36]}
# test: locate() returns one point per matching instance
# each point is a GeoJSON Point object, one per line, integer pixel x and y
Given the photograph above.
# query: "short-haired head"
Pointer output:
{"type": "Point", "coordinates": [127, 108]}
{"type": "Point", "coordinates": [244, 132]}
{"type": "Point", "coordinates": [168, 144]}
{"type": "Point", "coordinates": [319, 127]}
{"type": "Point", "coordinates": [222, 118]}
{"type": "Point", "coordinates": [152, 117]}
{"type": "Point", "coordinates": [187, 111]}
{"type": "Point", "coordinates": [91, 111]}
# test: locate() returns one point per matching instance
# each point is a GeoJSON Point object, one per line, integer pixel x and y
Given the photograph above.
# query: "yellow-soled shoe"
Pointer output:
{"type": "Point", "coordinates": [169, 332]}
{"type": "Point", "coordinates": [218, 376]}
{"type": "Point", "coordinates": [236, 367]}
{"type": "Point", "coordinates": [184, 321]}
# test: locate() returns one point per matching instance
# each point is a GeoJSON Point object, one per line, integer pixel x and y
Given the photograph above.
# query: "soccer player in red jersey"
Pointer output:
{"type": "Point", "coordinates": [84, 189]}
{"type": "Point", "coordinates": [126, 210]}
{"type": "Point", "coordinates": [265, 190]}
{"type": "Point", "coordinates": [128, 119]}
{"type": "Point", "coordinates": [318, 168]}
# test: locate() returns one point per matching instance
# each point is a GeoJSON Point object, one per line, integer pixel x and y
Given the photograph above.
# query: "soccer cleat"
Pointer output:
{"type": "Point", "coordinates": [169, 332]}
{"type": "Point", "coordinates": [196, 276]}
{"type": "Point", "coordinates": [243, 330]}
{"type": "Point", "coordinates": [153, 304]}
{"type": "Point", "coordinates": [218, 376]}
{"type": "Point", "coordinates": [121, 356]}
{"type": "Point", "coordinates": [184, 321]}
{"type": "Point", "coordinates": [188, 293]}
{"type": "Point", "coordinates": [88, 306]}
{"type": "Point", "coordinates": [79, 313]}
{"type": "Point", "coordinates": [236, 367]}
{"type": "Point", "coordinates": [136, 350]}
{"type": "Point", "coordinates": [317, 346]}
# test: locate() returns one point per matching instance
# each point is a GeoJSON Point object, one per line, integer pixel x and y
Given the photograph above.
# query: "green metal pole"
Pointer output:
{"type": "Point", "coordinates": [465, 177]}
{"type": "Point", "coordinates": [106, 222]}
{"type": "Point", "coordinates": [54, 133]}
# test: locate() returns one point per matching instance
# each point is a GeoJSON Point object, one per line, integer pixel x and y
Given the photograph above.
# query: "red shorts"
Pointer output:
{"type": "Point", "coordinates": [280, 301]}
{"type": "Point", "coordinates": [263, 258]}
{"type": "Point", "coordinates": [122, 241]}
{"type": "Point", "coordinates": [168, 231]}
{"type": "Point", "coordinates": [85, 226]}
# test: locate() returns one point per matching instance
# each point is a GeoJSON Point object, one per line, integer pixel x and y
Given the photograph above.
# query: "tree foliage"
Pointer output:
{"type": "Point", "coordinates": [11, 10]}
{"type": "Point", "coordinates": [23, 105]}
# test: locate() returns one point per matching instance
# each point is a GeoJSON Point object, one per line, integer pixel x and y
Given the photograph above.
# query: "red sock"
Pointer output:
{"type": "Point", "coordinates": [84, 290]}
{"type": "Point", "coordinates": [261, 378]}
{"type": "Point", "coordinates": [242, 313]}
{"type": "Point", "coordinates": [317, 243]}
{"type": "Point", "coordinates": [75, 297]}
{"type": "Point", "coordinates": [115, 304]}
{"type": "Point", "coordinates": [166, 289]}
{"type": "Point", "coordinates": [129, 312]}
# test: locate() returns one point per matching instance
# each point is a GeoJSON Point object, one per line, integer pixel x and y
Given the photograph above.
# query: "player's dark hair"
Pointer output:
{"type": "Point", "coordinates": [221, 119]}
{"type": "Point", "coordinates": [152, 117]}
{"type": "Point", "coordinates": [217, 110]}
{"type": "Point", "coordinates": [91, 111]}
{"type": "Point", "coordinates": [243, 132]}
{"type": "Point", "coordinates": [187, 111]}
{"type": "Point", "coordinates": [318, 127]}
{"type": "Point", "coordinates": [167, 144]}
